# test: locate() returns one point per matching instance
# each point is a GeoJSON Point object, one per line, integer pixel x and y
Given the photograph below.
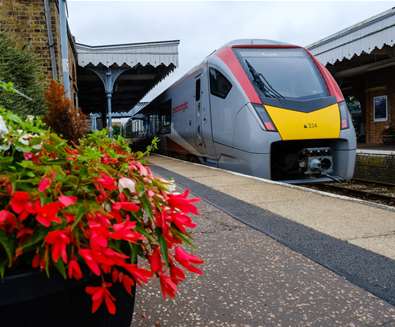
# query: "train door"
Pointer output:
{"type": "Point", "coordinates": [224, 105]}
{"type": "Point", "coordinates": [199, 116]}
{"type": "Point", "coordinates": [204, 138]}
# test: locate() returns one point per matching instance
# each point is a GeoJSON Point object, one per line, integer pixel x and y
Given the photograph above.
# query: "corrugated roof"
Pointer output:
{"type": "Point", "coordinates": [131, 54]}
{"type": "Point", "coordinates": [375, 32]}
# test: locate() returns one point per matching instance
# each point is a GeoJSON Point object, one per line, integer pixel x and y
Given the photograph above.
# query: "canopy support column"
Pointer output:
{"type": "Point", "coordinates": [108, 76]}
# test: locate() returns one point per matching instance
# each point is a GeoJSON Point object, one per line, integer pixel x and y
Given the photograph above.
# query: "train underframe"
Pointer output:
{"type": "Point", "coordinates": [306, 160]}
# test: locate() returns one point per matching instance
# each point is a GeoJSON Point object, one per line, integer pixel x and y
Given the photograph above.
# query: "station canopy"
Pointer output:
{"type": "Point", "coordinates": [120, 75]}
{"type": "Point", "coordinates": [365, 46]}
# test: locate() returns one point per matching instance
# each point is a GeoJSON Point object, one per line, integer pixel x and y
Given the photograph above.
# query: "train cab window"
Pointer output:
{"type": "Point", "coordinates": [219, 85]}
{"type": "Point", "coordinates": [197, 90]}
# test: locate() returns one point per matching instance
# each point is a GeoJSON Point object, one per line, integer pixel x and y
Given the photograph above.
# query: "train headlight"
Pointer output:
{"type": "Point", "coordinates": [265, 118]}
{"type": "Point", "coordinates": [344, 115]}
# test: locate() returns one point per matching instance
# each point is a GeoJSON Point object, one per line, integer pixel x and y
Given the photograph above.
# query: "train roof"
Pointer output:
{"type": "Point", "coordinates": [241, 42]}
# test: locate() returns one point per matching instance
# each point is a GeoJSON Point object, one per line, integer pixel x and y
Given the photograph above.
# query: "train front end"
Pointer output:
{"type": "Point", "coordinates": [302, 111]}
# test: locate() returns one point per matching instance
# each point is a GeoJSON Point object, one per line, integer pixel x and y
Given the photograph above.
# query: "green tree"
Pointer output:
{"type": "Point", "coordinates": [19, 66]}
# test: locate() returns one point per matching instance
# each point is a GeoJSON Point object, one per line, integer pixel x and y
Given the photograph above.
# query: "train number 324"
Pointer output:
{"type": "Point", "coordinates": [310, 125]}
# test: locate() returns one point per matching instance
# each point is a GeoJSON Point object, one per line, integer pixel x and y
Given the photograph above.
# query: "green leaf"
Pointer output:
{"type": "Point", "coordinates": [182, 236]}
{"type": "Point", "coordinates": [146, 206]}
{"type": "Point", "coordinates": [37, 237]}
{"type": "Point", "coordinates": [9, 246]}
{"type": "Point", "coordinates": [81, 210]}
{"type": "Point", "coordinates": [147, 235]}
{"type": "Point", "coordinates": [3, 265]}
{"type": "Point", "coordinates": [133, 252]}
{"type": "Point", "coordinates": [163, 248]}
{"type": "Point", "coordinates": [30, 174]}
{"type": "Point", "coordinates": [27, 164]}
{"type": "Point", "coordinates": [60, 267]}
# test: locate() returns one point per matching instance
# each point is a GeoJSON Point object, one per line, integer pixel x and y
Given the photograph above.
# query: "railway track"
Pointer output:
{"type": "Point", "coordinates": [383, 193]}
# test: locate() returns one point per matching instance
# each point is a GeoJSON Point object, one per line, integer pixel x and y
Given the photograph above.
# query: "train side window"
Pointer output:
{"type": "Point", "coordinates": [197, 90]}
{"type": "Point", "coordinates": [165, 117]}
{"type": "Point", "coordinates": [219, 85]}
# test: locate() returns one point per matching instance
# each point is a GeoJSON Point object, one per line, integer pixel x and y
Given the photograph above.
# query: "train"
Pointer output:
{"type": "Point", "coordinates": [259, 107]}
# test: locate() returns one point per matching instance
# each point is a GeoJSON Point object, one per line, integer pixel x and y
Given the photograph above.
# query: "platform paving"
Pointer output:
{"type": "Point", "coordinates": [335, 216]}
{"type": "Point", "coordinates": [252, 280]}
{"type": "Point", "coordinates": [352, 238]}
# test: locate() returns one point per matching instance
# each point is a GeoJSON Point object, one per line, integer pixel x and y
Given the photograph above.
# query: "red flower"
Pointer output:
{"type": "Point", "coordinates": [128, 206]}
{"type": "Point", "coordinates": [67, 200]}
{"type": "Point", "coordinates": [182, 221]}
{"type": "Point", "coordinates": [37, 261]}
{"type": "Point", "coordinates": [27, 155]}
{"type": "Point", "coordinates": [44, 184]}
{"type": "Point", "coordinates": [24, 232]}
{"type": "Point", "coordinates": [155, 260]}
{"type": "Point", "coordinates": [107, 182]}
{"type": "Point", "coordinates": [59, 239]}
{"type": "Point", "coordinates": [123, 231]}
{"type": "Point", "coordinates": [186, 259]}
{"type": "Point", "coordinates": [181, 202]}
{"type": "Point", "coordinates": [100, 293]}
{"type": "Point", "coordinates": [177, 275]}
{"type": "Point", "coordinates": [167, 286]}
{"type": "Point", "coordinates": [99, 235]}
{"type": "Point", "coordinates": [111, 257]}
{"type": "Point", "coordinates": [22, 204]}
{"type": "Point", "coordinates": [139, 274]}
{"type": "Point", "coordinates": [106, 159]}
{"type": "Point", "coordinates": [161, 220]}
{"type": "Point", "coordinates": [47, 213]}
{"type": "Point", "coordinates": [143, 170]}
{"type": "Point", "coordinates": [86, 254]}
{"type": "Point", "coordinates": [69, 217]}
{"type": "Point", "coordinates": [127, 283]}
{"type": "Point", "coordinates": [74, 270]}
{"type": "Point", "coordinates": [7, 218]}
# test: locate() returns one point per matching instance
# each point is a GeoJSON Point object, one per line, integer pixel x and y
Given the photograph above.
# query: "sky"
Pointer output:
{"type": "Point", "coordinates": [203, 26]}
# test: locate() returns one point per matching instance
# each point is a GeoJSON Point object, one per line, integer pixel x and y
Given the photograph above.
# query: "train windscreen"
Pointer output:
{"type": "Point", "coordinates": [283, 73]}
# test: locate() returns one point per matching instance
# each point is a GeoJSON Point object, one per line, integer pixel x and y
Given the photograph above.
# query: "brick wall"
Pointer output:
{"type": "Point", "coordinates": [24, 21]}
{"type": "Point", "coordinates": [386, 86]}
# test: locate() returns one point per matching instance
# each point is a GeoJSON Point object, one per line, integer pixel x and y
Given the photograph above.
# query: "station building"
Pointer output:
{"type": "Point", "coordinates": [100, 79]}
{"type": "Point", "coordinates": [362, 60]}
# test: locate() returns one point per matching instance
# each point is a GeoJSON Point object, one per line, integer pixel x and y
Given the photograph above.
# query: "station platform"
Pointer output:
{"type": "Point", "coordinates": [278, 255]}
{"type": "Point", "coordinates": [387, 149]}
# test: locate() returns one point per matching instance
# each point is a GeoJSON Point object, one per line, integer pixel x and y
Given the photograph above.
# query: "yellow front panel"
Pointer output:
{"type": "Point", "coordinates": [295, 125]}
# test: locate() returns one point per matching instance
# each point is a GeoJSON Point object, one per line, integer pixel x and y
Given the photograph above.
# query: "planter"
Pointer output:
{"type": "Point", "coordinates": [389, 139]}
{"type": "Point", "coordinates": [31, 299]}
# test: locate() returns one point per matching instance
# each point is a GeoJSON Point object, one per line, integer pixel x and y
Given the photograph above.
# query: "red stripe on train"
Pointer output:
{"type": "Point", "coordinates": [229, 58]}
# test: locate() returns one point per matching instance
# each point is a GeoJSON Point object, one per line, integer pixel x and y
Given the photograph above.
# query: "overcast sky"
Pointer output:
{"type": "Point", "coordinates": [204, 26]}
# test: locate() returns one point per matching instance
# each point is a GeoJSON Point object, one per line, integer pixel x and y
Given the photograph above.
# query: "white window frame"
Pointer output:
{"type": "Point", "coordinates": [378, 120]}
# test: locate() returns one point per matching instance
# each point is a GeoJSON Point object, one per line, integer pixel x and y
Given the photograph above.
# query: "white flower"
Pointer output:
{"type": "Point", "coordinates": [5, 147]}
{"type": "Point", "coordinates": [171, 187]}
{"type": "Point", "coordinates": [126, 183]}
{"type": "Point", "coordinates": [37, 146]}
{"type": "Point", "coordinates": [107, 206]}
{"type": "Point", "coordinates": [3, 127]}
{"type": "Point", "coordinates": [25, 139]}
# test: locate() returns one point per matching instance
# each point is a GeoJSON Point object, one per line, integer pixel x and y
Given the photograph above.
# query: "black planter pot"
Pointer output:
{"type": "Point", "coordinates": [31, 300]}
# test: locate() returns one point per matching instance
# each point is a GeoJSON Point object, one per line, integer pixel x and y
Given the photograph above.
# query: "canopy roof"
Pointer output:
{"type": "Point", "coordinates": [364, 37]}
{"type": "Point", "coordinates": [128, 71]}
{"type": "Point", "coordinates": [132, 54]}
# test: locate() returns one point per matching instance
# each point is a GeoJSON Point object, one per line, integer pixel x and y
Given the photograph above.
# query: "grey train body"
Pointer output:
{"type": "Point", "coordinates": [221, 127]}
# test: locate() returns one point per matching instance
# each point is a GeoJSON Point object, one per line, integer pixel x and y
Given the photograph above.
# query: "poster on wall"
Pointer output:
{"type": "Point", "coordinates": [380, 108]}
